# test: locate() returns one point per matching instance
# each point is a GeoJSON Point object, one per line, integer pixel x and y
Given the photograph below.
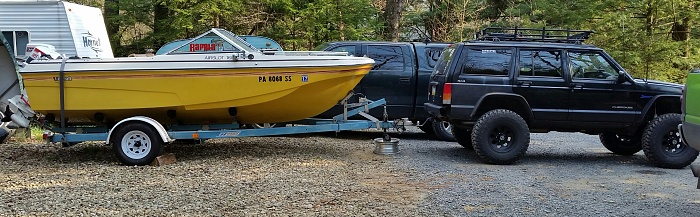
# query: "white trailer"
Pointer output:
{"type": "Point", "coordinates": [74, 30]}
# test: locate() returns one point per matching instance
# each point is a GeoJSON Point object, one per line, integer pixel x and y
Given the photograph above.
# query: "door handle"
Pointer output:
{"type": "Point", "coordinates": [524, 83]}
{"type": "Point", "coordinates": [576, 85]}
{"type": "Point", "coordinates": [405, 80]}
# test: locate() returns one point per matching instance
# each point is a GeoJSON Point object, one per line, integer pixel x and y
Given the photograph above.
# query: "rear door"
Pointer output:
{"type": "Point", "coordinates": [541, 80]}
{"type": "Point", "coordinates": [392, 77]}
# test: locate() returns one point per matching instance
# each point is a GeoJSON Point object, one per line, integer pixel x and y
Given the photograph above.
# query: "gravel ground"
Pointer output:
{"type": "Point", "coordinates": [563, 174]}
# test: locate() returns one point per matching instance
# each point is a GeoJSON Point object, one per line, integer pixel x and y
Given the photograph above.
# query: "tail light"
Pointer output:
{"type": "Point", "coordinates": [447, 93]}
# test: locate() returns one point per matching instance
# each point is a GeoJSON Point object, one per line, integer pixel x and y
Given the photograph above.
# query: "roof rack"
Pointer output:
{"type": "Point", "coordinates": [533, 34]}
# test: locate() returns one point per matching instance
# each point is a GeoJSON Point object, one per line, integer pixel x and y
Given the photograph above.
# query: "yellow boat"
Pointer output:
{"type": "Point", "coordinates": [220, 82]}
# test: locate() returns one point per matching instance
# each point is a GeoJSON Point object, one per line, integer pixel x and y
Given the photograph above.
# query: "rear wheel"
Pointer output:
{"type": "Point", "coordinates": [621, 144]}
{"type": "Point", "coordinates": [136, 144]}
{"type": "Point", "coordinates": [500, 137]}
{"type": "Point", "coordinates": [463, 137]}
{"type": "Point", "coordinates": [443, 130]}
{"type": "Point", "coordinates": [663, 145]}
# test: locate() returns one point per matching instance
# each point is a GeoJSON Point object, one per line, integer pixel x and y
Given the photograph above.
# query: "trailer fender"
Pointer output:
{"type": "Point", "coordinates": [156, 125]}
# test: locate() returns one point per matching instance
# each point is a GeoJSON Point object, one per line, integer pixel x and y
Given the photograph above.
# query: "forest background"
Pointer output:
{"type": "Point", "coordinates": [656, 39]}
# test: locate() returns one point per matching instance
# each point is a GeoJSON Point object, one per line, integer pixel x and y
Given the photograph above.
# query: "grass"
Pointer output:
{"type": "Point", "coordinates": [27, 135]}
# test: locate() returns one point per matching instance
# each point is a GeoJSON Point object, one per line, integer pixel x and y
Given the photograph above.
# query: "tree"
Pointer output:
{"type": "Point", "coordinates": [392, 17]}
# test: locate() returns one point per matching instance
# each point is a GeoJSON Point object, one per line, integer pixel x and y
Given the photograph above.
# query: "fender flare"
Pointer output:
{"type": "Point", "coordinates": [150, 121]}
{"type": "Point", "coordinates": [520, 98]}
{"type": "Point", "coordinates": [651, 102]}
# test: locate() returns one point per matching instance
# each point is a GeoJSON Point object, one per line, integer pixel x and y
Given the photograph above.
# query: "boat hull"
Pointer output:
{"type": "Point", "coordinates": [195, 96]}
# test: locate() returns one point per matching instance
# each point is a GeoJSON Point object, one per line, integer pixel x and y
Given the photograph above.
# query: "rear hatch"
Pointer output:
{"type": "Point", "coordinates": [14, 106]}
{"type": "Point", "coordinates": [439, 91]}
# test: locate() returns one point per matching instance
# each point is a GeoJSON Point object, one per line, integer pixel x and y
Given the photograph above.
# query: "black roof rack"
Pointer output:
{"type": "Point", "coordinates": [533, 34]}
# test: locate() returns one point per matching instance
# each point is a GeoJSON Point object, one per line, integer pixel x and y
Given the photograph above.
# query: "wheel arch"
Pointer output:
{"type": "Point", "coordinates": [510, 101]}
{"type": "Point", "coordinates": [658, 105]}
{"type": "Point", "coordinates": [150, 121]}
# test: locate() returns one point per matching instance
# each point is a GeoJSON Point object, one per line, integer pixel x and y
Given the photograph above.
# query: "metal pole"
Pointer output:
{"type": "Point", "coordinates": [62, 93]}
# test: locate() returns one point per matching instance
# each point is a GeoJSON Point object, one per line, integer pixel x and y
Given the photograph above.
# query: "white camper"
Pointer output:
{"type": "Point", "coordinates": [74, 30]}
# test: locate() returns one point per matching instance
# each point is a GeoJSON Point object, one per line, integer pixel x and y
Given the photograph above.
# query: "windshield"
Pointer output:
{"type": "Point", "coordinates": [322, 46]}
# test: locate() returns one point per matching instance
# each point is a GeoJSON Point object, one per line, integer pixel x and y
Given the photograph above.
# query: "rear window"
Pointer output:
{"type": "Point", "coordinates": [487, 61]}
{"type": "Point", "coordinates": [386, 57]}
{"type": "Point", "coordinates": [444, 61]}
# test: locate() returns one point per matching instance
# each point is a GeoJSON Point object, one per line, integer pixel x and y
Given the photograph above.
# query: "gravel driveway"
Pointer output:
{"type": "Point", "coordinates": [563, 174]}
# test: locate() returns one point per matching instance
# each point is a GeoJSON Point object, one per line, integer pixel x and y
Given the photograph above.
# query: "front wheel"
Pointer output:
{"type": "Point", "coordinates": [621, 144]}
{"type": "Point", "coordinates": [136, 144]}
{"type": "Point", "coordinates": [663, 145]}
{"type": "Point", "coordinates": [500, 137]}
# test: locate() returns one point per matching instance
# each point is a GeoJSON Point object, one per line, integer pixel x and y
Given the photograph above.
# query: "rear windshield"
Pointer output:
{"type": "Point", "coordinates": [444, 62]}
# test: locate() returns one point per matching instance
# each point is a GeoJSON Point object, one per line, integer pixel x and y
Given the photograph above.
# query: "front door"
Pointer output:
{"type": "Point", "coordinates": [595, 94]}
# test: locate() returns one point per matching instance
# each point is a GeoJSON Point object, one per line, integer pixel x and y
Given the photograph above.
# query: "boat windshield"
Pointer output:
{"type": "Point", "coordinates": [214, 41]}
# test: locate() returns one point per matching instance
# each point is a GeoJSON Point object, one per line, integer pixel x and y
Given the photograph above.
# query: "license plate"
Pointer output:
{"type": "Point", "coordinates": [432, 91]}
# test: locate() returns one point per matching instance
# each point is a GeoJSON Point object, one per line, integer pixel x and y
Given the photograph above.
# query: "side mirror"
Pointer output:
{"type": "Point", "coordinates": [623, 77]}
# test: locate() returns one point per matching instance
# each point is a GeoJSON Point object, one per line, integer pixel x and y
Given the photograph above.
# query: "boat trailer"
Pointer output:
{"type": "Point", "coordinates": [139, 140]}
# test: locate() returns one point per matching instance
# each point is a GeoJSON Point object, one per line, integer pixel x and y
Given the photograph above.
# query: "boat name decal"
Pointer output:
{"type": "Point", "coordinates": [202, 47]}
{"type": "Point", "coordinates": [275, 78]}
{"type": "Point", "coordinates": [64, 78]}
{"type": "Point", "coordinates": [218, 57]}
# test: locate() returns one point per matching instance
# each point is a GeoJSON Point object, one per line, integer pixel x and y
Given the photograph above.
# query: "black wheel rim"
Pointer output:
{"type": "Point", "coordinates": [501, 138]}
{"type": "Point", "coordinates": [672, 143]}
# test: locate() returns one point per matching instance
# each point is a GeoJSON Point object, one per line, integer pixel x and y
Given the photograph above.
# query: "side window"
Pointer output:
{"type": "Point", "coordinates": [445, 59]}
{"type": "Point", "coordinates": [386, 57]}
{"type": "Point", "coordinates": [18, 40]}
{"type": "Point", "coordinates": [591, 65]}
{"type": "Point", "coordinates": [487, 61]}
{"type": "Point", "coordinates": [345, 48]}
{"type": "Point", "coordinates": [432, 55]}
{"type": "Point", "coordinates": [546, 63]}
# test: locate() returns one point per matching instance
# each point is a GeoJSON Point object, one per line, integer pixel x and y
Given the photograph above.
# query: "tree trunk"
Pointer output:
{"type": "Point", "coordinates": [392, 15]}
{"type": "Point", "coordinates": [111, 13]}
{"type": "Point", "coordinates": [160, 23]}
{"type": "Point", "coordinates": [341, 24]}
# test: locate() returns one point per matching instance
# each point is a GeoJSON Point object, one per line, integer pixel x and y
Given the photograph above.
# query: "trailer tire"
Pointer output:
{"type": "Point", "coordinates": [136, 144]}
{"type": "Point", "coordinates": [5, 134]}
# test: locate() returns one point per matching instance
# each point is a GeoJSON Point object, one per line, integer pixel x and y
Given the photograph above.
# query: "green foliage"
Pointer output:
{"type": "Point", "coordinates": [658, 39]}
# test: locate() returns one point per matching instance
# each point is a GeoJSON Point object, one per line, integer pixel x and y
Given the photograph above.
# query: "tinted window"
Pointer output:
{"type": "Point", "coordinates": [347, 48]}
{"type": "Point", "coordinates": [591, 65]}
{"type": "Point", "coordinates": [432, 55]}
{"type": "Point", "coordinates": [444, 61]}
{"type": "Point", "coordinates": [487, 61]}
{"type": "Point", "coordinates": [540, 63]}
{"type": "Point", "coordinates": [386, 57]}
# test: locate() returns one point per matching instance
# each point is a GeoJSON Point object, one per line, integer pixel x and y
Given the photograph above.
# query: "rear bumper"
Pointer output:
{"type": "Point", "coordinates": [690, 133]}
{"type": "Point", "coordinates": [434, 110]}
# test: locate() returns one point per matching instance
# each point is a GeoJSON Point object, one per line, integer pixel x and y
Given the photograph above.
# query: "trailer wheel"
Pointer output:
{"type": "Point", "coordinates": [136, 144]}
